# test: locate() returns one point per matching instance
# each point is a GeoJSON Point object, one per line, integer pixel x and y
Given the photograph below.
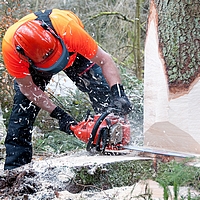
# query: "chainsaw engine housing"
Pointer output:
{"type": "Point", "coordinates": [112, 134]}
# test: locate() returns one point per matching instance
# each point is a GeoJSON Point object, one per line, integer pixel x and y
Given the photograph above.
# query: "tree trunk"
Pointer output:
{"type": "Point", "coordinates": [137, 41]}
{"type": "Point", "coordinates": [171, 77]}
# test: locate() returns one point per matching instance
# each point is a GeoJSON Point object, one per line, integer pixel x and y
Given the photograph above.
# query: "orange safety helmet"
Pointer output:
{"type": "Point", "coordinates": [41, 46]}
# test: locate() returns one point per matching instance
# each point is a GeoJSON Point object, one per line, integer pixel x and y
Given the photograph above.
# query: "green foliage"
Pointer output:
{"type": "Point", "coordinates": [177, 175]}
{"type": "Point", "coordinates": [130, 172]}
{"type": "Point", "coordinates": [56, 142]}
{"type": "Point", "coordinates": [115, 174]}
{"type": "Point", "coordinates": [76, 103]}
{"type": "Point", "coordinates": [118, 174]}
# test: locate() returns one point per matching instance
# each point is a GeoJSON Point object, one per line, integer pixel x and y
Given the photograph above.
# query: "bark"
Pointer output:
{"type": "Point", "coordinates": [179, 37]}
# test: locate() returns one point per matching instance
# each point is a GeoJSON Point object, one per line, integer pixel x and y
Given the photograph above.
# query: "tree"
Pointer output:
{"type": "Point", "coordinates": [172, 71]}
{"type": "Point", "coordinates": [137, 45]}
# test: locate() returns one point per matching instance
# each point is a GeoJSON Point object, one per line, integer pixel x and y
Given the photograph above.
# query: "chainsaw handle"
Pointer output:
{"type": "Point", "coordinates": [96, 126]}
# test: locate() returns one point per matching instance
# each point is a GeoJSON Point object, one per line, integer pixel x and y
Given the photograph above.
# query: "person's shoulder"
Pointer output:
{"type": "Point", "coordinates": [67, 15]}
{"type": "Point", "coordinates": [62, 11]}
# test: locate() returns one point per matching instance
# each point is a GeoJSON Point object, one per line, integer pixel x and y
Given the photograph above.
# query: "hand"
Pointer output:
{"type": "Point", "coordinates": [119, 100]}
{"type": "Point", "coordinates": [64, 120]}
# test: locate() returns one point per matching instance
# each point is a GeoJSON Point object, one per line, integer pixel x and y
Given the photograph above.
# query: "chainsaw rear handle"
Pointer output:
{"type": "Point", "coordinates": [96, 126]}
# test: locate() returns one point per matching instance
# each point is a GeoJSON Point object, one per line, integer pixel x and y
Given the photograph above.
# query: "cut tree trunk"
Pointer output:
{"type": "Point", "coordinates": [171, 77]}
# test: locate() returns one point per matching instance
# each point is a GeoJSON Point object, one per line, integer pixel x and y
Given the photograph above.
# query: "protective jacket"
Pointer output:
{"type": "Point", "coordinates": [68, 27]}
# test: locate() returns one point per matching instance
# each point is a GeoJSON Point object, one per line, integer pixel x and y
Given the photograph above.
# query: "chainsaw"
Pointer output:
{"type": "Point", "coordinates": [107, 131]}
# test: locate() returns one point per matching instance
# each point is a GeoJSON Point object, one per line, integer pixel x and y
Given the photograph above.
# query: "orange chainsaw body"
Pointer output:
{"type": "Point", "coordinates": [118, 128]}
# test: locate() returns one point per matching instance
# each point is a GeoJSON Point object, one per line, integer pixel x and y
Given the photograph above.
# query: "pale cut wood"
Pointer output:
{"type": "Point", "coordinates": [169, 136]}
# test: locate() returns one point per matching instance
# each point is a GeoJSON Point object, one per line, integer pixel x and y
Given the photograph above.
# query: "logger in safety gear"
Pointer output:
{"type": "Point", "coordinates": [35, 48]}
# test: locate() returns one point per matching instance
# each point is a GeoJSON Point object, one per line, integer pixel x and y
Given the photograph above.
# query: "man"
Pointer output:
{"type": "Point", "coordinates": [34, 49]}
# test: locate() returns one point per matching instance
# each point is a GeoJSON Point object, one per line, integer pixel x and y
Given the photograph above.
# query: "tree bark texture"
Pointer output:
{"type": "Point", "coordinates": [179, 36]}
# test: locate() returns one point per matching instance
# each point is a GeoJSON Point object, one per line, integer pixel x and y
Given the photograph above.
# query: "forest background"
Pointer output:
{"type": "Point", "coordinates": [118, 26]}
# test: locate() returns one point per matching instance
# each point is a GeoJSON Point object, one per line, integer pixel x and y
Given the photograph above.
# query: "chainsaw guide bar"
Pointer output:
{"type": "Point", "coordinates": [158, 151]}
{"type": "Point", "coordinates": [109, 134]}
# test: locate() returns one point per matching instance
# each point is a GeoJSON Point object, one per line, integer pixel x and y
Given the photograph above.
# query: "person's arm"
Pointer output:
{"type": "Point", "coordinates": [110, 71]}
{"type": "Point", "coordinates": [109, 68]}
{"type": "Point", "coordinates": [35, 94]}
{"type": "Point", "coordinates": [39, 98]}
{"type": "Point", "coordinates": [78, 40]}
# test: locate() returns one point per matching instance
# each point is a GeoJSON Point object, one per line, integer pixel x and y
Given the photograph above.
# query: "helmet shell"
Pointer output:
{"type": "Point", "coordinates": [38, 44]}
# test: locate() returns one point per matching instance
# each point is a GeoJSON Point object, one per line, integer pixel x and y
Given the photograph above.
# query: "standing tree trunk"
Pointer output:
{"type": "Point", "coordinates": [171, 77]}
{"type": "Point", "coordinates": [137, 44]}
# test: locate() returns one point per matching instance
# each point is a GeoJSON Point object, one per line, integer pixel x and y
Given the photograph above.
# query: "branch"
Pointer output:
{"type": "Point", "coordinates": [117, 14]}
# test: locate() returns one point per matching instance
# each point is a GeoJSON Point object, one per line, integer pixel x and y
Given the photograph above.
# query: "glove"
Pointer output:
{"type": "Point", "coordinates": [119, 100]}
{"type": "Point", "coordinates": [64, 120]}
